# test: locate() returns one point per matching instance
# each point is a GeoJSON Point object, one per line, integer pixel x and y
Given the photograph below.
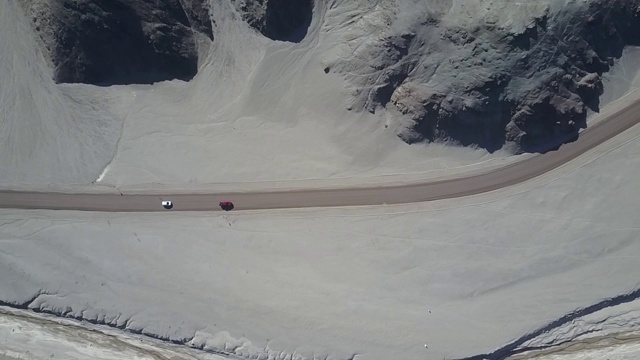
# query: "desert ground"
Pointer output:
{"type": "Point", "coordinates": [543, 269]}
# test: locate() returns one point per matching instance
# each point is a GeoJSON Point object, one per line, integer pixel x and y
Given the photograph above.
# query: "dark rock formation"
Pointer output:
{"type": "Point", "coordinates": [108, 42]}
{"type": "Point", "coordinates": [197, 12]}
{"type": "Point", "coordinates": [285, 20]}
{"type": "Point", "coordinates": [487, 85]}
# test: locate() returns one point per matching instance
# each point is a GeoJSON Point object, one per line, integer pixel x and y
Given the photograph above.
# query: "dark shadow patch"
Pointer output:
{"type": "Point", "coordinates": [288, 20]}
{"type": "Point", "coordinates": [117, 42]}
{"type": "Point", "coordinates": [282, 20]}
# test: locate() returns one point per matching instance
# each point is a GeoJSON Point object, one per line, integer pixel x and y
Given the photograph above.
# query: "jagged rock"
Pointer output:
{"type": "Point", "coordinates": [277, 19]}
{"type": "Point", "coordinates": [478, 79]}
{"type": "Point", "coordinates": [120, 41]}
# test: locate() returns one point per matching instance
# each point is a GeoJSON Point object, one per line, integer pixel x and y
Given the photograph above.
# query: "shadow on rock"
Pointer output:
{"type": "Point", "coordinates": [282, 20]}
{"type": "Point", "coordinates": [107, 42]}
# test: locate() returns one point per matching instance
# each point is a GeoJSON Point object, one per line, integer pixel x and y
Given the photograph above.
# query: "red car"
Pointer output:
{"type": "Point", "coordinates": [226, 205]}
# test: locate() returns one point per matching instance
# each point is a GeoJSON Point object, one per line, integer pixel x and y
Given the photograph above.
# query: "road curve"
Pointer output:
{"type": "Point", "coordinates": [433, 190]}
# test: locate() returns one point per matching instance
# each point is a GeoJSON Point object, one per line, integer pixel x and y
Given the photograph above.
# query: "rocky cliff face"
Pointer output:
{"type": "Point", "coordinates": [277, 19]}
{"type": "Point", "coordinates": [523, 73]}
{"type": "Point", "coordinates": [120, 41]}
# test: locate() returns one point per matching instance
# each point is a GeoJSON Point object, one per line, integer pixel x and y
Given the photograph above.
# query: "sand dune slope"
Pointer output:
{"type": "Point", "coordinates": [48, 133]}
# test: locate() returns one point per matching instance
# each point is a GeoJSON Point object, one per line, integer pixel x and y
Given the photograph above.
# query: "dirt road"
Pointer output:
{"type": "Point", "coordinates": [432, 190]}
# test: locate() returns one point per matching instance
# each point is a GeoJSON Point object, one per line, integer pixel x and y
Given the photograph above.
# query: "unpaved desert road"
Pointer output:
{"type": "Point", "coordinates": [433, 190]}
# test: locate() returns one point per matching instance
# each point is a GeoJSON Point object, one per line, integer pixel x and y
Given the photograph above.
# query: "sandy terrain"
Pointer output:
{"type": "Point", "coordinates": [445, 279]}
{"type": "Point", "coordinates": [379, 282]}
{"type": "Point", "coordinates": [621, 117]}
{"type": "Point", "coordinates": [27, 336]}
{"type": "Point", "coordinates": [48, 133]}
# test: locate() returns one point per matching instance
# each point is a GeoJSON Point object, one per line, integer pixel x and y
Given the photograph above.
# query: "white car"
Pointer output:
{"type": "Point", "coordinates": [167, 204]}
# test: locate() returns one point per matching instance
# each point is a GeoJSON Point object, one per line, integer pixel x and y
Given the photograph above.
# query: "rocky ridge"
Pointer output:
{"type": "Point", "coordinates": [489, 82]}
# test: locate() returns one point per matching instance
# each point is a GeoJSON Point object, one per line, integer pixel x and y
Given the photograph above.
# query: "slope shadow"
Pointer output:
{"type": "Point", "coordinates": [288, 20]}
{"type": "Point", "coordinates": [555, 141]}
{"type": "Point", "coordinates": [514, 348]}
{"type": "Point", "coordinates": [114, 49]}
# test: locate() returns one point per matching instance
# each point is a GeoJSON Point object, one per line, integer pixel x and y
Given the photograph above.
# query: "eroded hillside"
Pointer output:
{"type": "Point", "coordinates": [334, 87]}
{"type": "Point", "coordinates": [486, 72]}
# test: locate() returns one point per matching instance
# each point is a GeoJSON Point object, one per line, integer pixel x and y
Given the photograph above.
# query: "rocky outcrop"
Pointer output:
{"type": "Point", "coordinates": [489, 82]}
{"type": "Point", "coordinates": [477, 72]}
{"type": "Point", "coordinates": [120, 41]}
{"type": "Point", "coordinates": [285, 20]}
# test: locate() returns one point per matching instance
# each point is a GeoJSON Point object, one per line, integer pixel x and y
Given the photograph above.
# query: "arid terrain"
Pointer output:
{"type": "Point", "coordinates": [130, 97]}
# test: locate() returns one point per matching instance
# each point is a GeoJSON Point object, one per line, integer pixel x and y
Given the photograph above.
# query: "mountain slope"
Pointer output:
{"type": "Point", "coordinates": [48, 133]}
{"type": "Point", "coordinates": [289, 92]}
